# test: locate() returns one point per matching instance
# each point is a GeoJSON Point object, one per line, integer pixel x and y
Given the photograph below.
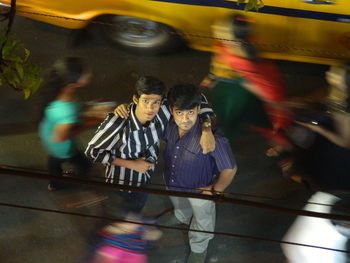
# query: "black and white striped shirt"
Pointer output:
{"type": "Point", "coordinates": [128, 139]}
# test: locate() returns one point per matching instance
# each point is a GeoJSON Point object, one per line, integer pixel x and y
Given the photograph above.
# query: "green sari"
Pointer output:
{"type": "Point", "coordinates": [236, 108]}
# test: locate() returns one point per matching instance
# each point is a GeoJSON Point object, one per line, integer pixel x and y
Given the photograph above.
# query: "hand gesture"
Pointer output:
{"type": "Point", "coordinates": [140, 165]}
{"type": "Point", "coordinates": [122, 111]}
{"type": "Point", "coordinates": [206, 190]}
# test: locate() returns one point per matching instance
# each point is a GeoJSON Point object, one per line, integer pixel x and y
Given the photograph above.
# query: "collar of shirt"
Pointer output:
{"type": "Point", "coordinates": [135, 124]}
{"type": "Point", "coordinates": [190, 141]}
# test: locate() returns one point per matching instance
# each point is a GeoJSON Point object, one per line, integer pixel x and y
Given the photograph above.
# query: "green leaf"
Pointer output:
{"type": "Point", "coordinates": [14, 70]}
{"type": "Point", "coordinates": [27, 93]}
{"type": "Point", "coordinates": [26, 54]}
{"type": "Point", "coordinates": [11, 76]}
{"type": "Point", "coordinates": [251, 4]}
{"type": "Point", "coordinates": [20, 70]}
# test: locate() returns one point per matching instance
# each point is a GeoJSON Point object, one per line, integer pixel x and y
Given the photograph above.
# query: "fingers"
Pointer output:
{"type": "Point", "coordinates": [121, 112]}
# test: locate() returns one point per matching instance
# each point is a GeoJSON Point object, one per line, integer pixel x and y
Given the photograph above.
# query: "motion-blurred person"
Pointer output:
{"type": "Point", "coordinates": [188, 169]}
{"type": "Point", "coordinates": [128, 143]}
{"type": "Point", "coordinates": [235, 106]}
{"type": "Point", "coordinates": [260, 76]}
{"type": "Point", "coordinates": [320, 232]}
{"type": "Point", "coordinates": [124, 242]}
{"type": "Point", "coordinates": [326, 162]}
{"type": "Point", "coordinates": [338, 104]}
{"type": "Point", "coordinates": [61, 121]}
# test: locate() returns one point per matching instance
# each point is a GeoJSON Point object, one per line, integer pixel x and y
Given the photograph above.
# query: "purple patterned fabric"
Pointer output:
{"type": "Point", "coordinates": [186, 167]}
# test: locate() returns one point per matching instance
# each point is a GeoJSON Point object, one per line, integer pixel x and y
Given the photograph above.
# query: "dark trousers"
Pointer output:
{"type": "Point", "coordinates": [80, 163]}
{"type": "Point", "coordinates": [133, 201]}
{"type": "Point", "coordinates": [121, 203]}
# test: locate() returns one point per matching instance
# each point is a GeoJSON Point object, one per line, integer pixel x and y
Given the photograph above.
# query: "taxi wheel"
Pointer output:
{"type": "Point", "coordinates": [140, 35]}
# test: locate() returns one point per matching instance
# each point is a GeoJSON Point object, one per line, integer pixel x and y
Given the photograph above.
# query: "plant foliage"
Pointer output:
{"type": "Point", "coordinates": [251, 4]}
{"type": "Point", "coordinates": [15, 70]}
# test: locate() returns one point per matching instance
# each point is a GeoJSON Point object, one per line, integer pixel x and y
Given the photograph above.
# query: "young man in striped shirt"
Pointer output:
{"type": "Point", "coordinates": [187, 169]}
{"type": "Point", "coordinates": [129, 147]}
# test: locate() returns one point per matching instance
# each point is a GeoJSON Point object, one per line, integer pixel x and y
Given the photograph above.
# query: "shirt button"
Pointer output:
{"type": "Point", "coordinates": [172, 181]}
{"type": "Point", "coordinates": [175, 156]}
{"type": "Point", "coordinates": [173, 165]}
{"type": "Point", "coordinates": [177, 147]}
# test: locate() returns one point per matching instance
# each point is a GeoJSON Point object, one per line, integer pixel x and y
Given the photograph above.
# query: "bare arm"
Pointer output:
{"type": "Point", "coordinates": [341, 135]}
{"type": "Point", "coordinates": [139, 165]}
{"type": "Point", "coordinates": [224, 180]}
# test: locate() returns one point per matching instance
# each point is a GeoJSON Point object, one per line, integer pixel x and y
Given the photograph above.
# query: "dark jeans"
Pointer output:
{"type": "Point", "coordinates": [121, 203]}
{"type": "Point", "coordinates": [80, 162]}
{"type": "Point", "coordinates": [133, 201]}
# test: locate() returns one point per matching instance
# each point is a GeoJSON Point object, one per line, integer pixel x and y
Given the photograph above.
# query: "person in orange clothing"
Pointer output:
{"type": "Point", "coordinates": [261, 77]}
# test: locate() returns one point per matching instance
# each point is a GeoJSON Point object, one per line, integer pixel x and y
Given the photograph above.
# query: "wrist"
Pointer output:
{"type": "Point", "coordinates": [214, 191]}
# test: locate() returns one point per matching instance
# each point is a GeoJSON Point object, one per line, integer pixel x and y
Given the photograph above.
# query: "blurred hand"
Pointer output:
{"type": "Point", "coordinates": [122, 111]}
{"type": "Point", "coordinates": [206, 190]}
{"type": "Point", "coordinates": [140, 165]}
{"type": "Point", "coordinates": [206, 82]}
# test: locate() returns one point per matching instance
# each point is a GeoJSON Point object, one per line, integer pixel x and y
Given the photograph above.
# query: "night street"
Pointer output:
{"type": "Point", "coordinates": [30, 236]}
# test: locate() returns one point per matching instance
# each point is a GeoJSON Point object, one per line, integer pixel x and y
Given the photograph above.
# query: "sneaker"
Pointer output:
{"type": "Point", "coordinates": [168, 219]}
{"type": "Point", "coordinates": [197, 257]}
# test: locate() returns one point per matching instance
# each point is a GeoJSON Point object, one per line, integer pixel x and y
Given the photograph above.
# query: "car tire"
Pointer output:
{"type": "Point", "coordinates": [141, 36]}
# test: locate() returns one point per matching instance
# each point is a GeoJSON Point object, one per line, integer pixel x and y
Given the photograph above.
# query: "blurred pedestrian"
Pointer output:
{"type": "Point", "coordinates": [124, 242]}
{"type": "Point", "coordinates": [326, 160]}
{"type": "Point", "coordinates": [319, 232]}
{"type": "Point", "coordinates": [327, 163]}
{"type": "Point", "coordinates": [259, 76]}
{"type": "Point", "coordinates": [237, 108]}
{"type": "Point", "coordinates": [187, 169]}
{"type": "Point", "coordinates": [338, 103]}
{"type": "Point", "coordinates": [61, 121]}
{"type": "Point", "coordinates": [128, 143]}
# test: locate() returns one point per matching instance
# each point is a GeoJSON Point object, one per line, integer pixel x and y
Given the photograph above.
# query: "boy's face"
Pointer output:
{"type": "Point", "coordinates": [185, 119]}
{"type": "Point", "coordinates": [147, 106]}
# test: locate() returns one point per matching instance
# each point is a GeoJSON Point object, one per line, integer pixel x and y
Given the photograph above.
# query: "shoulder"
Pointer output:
{"type": "Point", "coordinates": [220, 139]}
{"type": "Point", "coordinates": [63, 107]}
{"type": "Point", "coordinates": [63, 112]}
{"type": "Point", "coordinates": [113, 122]}
{"type": "Point", "coordinates": [113, 118]}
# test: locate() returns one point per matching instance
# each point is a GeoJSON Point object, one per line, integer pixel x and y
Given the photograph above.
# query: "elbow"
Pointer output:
{"type": "Point", "coordinates": [234, 171]}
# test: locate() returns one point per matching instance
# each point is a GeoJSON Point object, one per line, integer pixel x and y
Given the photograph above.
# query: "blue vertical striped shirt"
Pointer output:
{"type": "Point", "coordinates": [185, 164]}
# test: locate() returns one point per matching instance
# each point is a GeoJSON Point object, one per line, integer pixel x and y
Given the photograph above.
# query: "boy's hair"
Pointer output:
{"type": "Point", "coordinates": [184, 97]}
{"type": "Point", "coordinates": [149, 85]}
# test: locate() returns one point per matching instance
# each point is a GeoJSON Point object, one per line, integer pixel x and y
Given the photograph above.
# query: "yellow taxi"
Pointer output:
{"type": "Point", "coordinates": [316, 31]}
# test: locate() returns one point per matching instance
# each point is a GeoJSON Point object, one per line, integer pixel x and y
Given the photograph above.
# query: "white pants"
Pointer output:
{"type": "Point", "coordinates": [204, 215]}
{"type": "Point", "coordinates": [315, 231]}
